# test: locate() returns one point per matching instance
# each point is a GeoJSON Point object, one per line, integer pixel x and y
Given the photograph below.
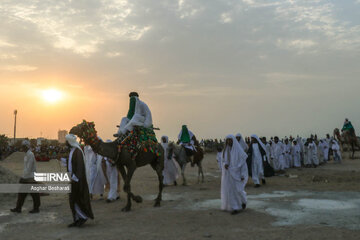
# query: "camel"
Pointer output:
{"type": "Point", "coordinates": [347, 138]}
{"type": "Point", "coordinates": [181, 158]}
{"type": "Point", "coordinates": [126, 165]}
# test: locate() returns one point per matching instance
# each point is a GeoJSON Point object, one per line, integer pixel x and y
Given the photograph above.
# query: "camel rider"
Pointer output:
{"type": "Point", "coordinates": [348, 127]}
{"type": "Point", "coordinates": [187, 139]}
{"type": "Point", "coordinates": [139, 114]}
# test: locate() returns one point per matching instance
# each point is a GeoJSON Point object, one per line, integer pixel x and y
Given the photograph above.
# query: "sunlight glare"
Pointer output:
{"type": "Point", "coordinates": [52, 95]}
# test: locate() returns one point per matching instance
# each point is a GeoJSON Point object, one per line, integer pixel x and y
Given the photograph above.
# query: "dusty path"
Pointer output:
{"type": "Point", "coordinates": [321, 203]}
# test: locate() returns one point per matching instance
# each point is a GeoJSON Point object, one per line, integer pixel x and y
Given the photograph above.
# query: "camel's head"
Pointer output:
{"type": "Point", "coordinates": [336, 132]}
{"type": "Point", "coordinates": [86, 131]}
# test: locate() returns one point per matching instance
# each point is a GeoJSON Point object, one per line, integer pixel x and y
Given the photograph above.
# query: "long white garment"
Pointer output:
{"type": "Point", "coordinates": [142, 117]}
{"type": "Point", "coordinates": [336, 152]}
{"type": "Point", "coordinates": [268, 152]}
{"type": "Point", "coordinates": [112, 174]}
{"type": "Point", "coordinates": [170, 172]}
{"type": "Point", "coordinates": [97, 178]}
{"type": "Point", "coordinates": [315, 159]}
{"type": "Point", "coordinates": [279, 156]}
{"type": "Point", "coordinates": [233, 193]}
{"type": "Point", "coordinates": [307, 156]}
{"type": "Point", "coordinates": [219, 160]}
{"type": "Point", "coordinates": [288, 158]}
{"type": "Point", "coordinates": [312, 154]}
{"type": "Point", "coordinates": [242, 143]}
{"type": "Point", "coordinates": [29, 165]}
{"type": "Point", "coordinates": [257, 168]}
{"type": "Point", "coordinates": [88, 155]}
{"type": "Point", "coordinates": [296, 154]}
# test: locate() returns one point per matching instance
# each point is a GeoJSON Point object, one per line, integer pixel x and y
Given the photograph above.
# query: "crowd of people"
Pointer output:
{"type": "Point", "coordinates": [238, 158]}
{"type": "Point", "coordinates": [241, 157]}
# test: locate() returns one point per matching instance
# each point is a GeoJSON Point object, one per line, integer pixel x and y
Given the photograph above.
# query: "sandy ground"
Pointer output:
{"type": "Point", "coordinates": [321, 203]}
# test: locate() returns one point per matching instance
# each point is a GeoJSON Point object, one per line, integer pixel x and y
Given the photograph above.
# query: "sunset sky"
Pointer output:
{"type": "Point", "coordinates": [222, 66]}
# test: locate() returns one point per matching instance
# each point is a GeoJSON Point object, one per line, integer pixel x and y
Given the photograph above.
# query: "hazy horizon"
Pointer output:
{"type": "Point", "coordinates": [265, 67]}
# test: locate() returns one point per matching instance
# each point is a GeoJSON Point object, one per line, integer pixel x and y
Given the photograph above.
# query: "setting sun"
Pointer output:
{"type": "Point", "coordinates": [52, 95]}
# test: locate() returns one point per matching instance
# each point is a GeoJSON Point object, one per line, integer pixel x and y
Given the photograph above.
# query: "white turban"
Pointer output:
{"type": "Point", "coordinates": [71, 139]}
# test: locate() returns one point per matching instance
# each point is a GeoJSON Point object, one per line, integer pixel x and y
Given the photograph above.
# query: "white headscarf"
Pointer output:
{"type": "Point", "coordinates": [259, 141]}
{"type": "Point", "coordinates": [237, 155]}
{"type": "Point", "coordinates": [241, 142]}
{"type": "Point", "coordinates": [164, 144]}
{"type": "Point", "coordinates": [71, 139]}
{"type": "Point", "coordinates": [166, 137]}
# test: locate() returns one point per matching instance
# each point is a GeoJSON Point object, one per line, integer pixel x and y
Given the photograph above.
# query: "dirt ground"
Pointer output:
{"type": "Point", "coordinates": [316, 203]}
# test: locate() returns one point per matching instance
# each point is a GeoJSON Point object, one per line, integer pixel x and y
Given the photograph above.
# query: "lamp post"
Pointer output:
{"type": "Point", "coordinates": [15, 113]}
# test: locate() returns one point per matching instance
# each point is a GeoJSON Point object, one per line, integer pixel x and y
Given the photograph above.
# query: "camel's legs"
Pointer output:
{"type": "Point", "coordinates": [159, 170]}
{"type": "Point", "coordinates": [127, 180]}
{"type": "Point", "coordinates": [353, 150]}
{"type": "Point", "coordinates": [201, 171]}
{"type": "Point", "coordinates": [183, 174]}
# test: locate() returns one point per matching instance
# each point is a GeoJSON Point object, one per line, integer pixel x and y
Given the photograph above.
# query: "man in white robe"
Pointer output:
{"type": "Point", "coordinates": [288, 158]}
{"type": "Point", "coordinates": [219, 157]}
{"type": "Point", "coordinates": [296, 154]}
{"type": "Point", "coordinates": [170, 172]}
{"type": "Point", "coordinates": [139, 114]}
{"type": "Point", "coordinates": [257, 154]}
{"type": "Point", "coordinates": [112, 175]}
{"type": "Point", "coordinates": [278, 155]}
{"type": "Point", "coordinates": [88, 154]}
{"type": "Point", "coordinates": [79, 197]}
{"type": "Point", "coordinates": [325, 150]}
{"type": "Point", "coordinates": [336, 151]}
{"type": "Point", "coordinates": [242, 142]}
{"type": "Point", "coordinates": [312, 154]}
{"type": "Point", "coordinates": [186, 139]}
{"type": "Point", "coordinates": [97, 178]}
{"type": "Point", "coordinates": [234, 176]}
{"type": "Point", "coordinates": [267, 149]}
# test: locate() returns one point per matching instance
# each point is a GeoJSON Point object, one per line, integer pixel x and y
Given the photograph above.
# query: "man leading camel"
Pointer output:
{"type": "Point", "coordinates": [79, 198]}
